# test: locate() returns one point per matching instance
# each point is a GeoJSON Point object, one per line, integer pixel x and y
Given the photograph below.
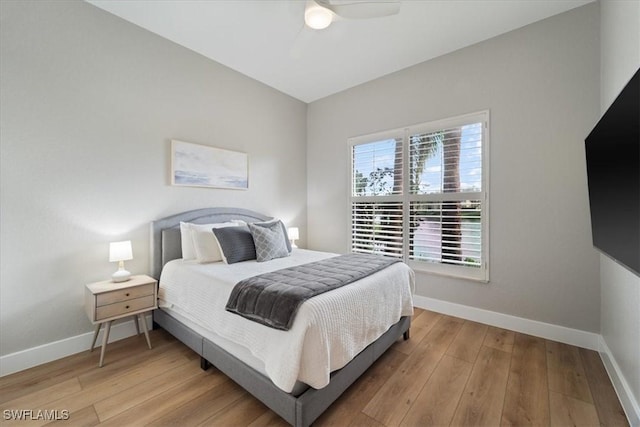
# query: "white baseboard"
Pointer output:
{"type": "Point", "coordinates": [575, 337]}
{"type": "Point", "coordinates": [35, 356]}
{"type": "Point", "coordinates": [625, 394]}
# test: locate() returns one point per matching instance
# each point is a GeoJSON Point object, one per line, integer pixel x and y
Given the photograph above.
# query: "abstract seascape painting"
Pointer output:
{"type": "Point", "coordinates": [204, 166]}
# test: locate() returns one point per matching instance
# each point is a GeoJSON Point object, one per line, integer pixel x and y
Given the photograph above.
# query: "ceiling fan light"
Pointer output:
{"type": "Point", "coordinates": [317, 17]}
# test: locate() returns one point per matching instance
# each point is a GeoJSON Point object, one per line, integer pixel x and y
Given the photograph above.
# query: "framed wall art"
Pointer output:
{"type": "Point", "coordinates": [198, 165]}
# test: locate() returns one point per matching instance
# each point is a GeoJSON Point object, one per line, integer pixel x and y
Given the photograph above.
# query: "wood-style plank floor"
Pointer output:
{"type": "Point", "coordinates": [451, 372]}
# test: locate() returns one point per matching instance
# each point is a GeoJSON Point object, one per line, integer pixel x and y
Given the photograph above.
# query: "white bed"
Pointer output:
{"type": "Point", "coordinates": [297, 373]}
{"type": "Point", "coordinates": [329, 329]}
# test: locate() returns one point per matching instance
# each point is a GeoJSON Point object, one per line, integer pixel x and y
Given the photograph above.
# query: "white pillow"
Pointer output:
{"type": "Point", "coordinates": [205, 243]}
{"type": "Point", "coordinates": [188, 242]}
{"type": "Point", "coordinates": [188, 250]}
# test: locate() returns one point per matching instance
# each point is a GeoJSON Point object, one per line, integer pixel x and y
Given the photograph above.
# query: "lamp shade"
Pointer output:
{"type": "Point", "coordinates": [294, 233]}
{"type": "Point", "coordinates": [120, 251]}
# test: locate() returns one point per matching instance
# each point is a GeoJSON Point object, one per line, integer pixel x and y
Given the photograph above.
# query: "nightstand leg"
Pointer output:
{"type": "Point", "coordinates": [105, 339]}
{"type": "Point", "coordinates": [135, 319]}
{"type": "Point", "coordinates": [95, 336]}
{"type": "Point", "coordinates": [144, 328]}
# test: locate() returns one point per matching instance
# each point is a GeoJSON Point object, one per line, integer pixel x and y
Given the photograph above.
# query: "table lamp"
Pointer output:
{"type": "Point", "coordinates": [120, 252]}
{"type": "Point", "coordinates": [294, 234]}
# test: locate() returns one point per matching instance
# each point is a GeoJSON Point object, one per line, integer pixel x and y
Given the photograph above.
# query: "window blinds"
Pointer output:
{"type": "Point", "coordinates": [419, 194]}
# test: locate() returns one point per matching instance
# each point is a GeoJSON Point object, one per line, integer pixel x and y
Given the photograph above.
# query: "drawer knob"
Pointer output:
{"type": "Point", "coordinates": [127, 307]}
{"type": "Point", "coordinates": [127, 294]}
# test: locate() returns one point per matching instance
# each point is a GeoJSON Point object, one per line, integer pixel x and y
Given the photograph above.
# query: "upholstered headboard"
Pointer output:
{"type": "Point", "coordinates": [165, 233]}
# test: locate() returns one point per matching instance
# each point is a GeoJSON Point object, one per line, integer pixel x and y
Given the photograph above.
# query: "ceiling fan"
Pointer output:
{"type": "Point", "coordinates": [320, 14]}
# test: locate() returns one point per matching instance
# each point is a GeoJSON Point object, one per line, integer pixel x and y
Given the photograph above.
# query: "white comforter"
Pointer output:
{"type": "Point", "coordinates": [329, 329]}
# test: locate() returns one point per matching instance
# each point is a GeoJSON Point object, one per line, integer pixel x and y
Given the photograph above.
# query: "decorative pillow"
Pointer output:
{"type": "Point", "coordinates": [269, 240]}
{"type": "Point", "coordinates": [284, 230]}
{"type": "Point", "coordinates": [236, 244]}
{"type": "Point", "coordinates": [205, 243]}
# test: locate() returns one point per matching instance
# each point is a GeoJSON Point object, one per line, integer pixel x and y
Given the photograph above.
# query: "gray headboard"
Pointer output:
{"type": "Point", "coordinates": [165, 233]}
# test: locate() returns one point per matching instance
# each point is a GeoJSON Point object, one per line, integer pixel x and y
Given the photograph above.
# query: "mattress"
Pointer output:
{"type": "Point", "coordinates": [329, 329]}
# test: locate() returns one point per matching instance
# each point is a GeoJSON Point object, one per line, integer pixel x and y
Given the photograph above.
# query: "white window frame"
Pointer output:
{"type": "Point", "coordinates": [472, 273]}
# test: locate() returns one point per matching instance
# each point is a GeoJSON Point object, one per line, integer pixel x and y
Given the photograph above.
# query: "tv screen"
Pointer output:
{"type": "Point", "coordinates": [613, 172]}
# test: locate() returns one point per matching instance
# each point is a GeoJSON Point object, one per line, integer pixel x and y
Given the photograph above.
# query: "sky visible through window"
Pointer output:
{"type": "Point", "coordinates": [380, 156]}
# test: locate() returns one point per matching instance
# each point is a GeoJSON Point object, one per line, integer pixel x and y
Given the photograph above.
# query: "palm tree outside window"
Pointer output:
{"type": "Point", "coordinates": [420, 194]}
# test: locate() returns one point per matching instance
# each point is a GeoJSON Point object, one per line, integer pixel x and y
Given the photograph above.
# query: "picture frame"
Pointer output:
{"type": "Point", "coordinates": [196, 165]}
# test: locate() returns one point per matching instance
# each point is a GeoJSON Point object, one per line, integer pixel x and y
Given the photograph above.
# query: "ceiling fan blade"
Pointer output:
{"type": "Point", "coordinates": [361, 9]}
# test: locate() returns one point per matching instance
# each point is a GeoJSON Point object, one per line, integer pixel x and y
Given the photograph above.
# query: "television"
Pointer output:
{"type": "Point", "coordinates": [613, 173]}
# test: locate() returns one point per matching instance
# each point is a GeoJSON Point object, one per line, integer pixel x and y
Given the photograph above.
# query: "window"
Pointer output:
{"type": "Point", "coordinates": [420, 194]}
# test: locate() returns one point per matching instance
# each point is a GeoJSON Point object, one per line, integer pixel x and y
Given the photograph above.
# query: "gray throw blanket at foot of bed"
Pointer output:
{"type": "Point", "coordinates": [273, 298]}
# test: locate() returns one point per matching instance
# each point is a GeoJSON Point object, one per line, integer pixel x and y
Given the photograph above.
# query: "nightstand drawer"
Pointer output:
{"type": "Point", "coordinates": [120, 308]}
{"type": "Point", "coordinates": [123, 295]}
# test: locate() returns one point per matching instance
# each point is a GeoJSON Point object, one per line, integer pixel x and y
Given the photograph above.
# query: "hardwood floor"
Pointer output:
{"type": "Point", "coordinates": [451, 372]}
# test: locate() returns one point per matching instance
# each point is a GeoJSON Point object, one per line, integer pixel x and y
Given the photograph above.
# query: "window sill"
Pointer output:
{"type": "Point", "coordinates": [452, 271]}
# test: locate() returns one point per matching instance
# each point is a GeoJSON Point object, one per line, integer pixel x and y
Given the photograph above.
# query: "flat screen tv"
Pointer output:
{"type": "Point", "coordinates": [613, 173]}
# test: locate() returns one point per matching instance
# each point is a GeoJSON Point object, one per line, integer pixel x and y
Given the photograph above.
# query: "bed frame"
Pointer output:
{"type": "Point", "coordinates": [300, 410]}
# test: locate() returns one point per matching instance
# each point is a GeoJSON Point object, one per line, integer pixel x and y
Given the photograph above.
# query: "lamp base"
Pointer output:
{"type": "Point", "coordinates": [121, 275]}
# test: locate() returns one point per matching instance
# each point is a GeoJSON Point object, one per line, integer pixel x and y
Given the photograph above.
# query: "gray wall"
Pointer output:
{"type": "Point", "coordinates": [541, 84]}
{"type": "Point", "coordinates": [620, 324]}
{"type": "Point", "coordinates": [89, 104]}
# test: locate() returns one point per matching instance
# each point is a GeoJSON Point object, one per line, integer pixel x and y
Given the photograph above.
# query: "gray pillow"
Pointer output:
{"type": "Point", "coordinates": [284, 230]}
{"type": "Point", "coordinates": [270, 241]}
{"type": "Point", "coordinates": [236, 244]}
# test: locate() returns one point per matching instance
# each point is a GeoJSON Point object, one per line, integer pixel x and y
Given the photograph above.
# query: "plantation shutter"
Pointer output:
{"type": "Point", "coordinates": [377, 228]}
{"type": "Point", "coordinates": [445, 210]}
{"type": "Point", "coordinates": [376, 210]}
{"type": "Point", "coordinates": [420, 194]}
{"type": "Point", "coordinates": [377, 168]}
{"type": "Point", "coordinates": [448, 155]}
{"type": "Point", "coordinates": [446, 232]}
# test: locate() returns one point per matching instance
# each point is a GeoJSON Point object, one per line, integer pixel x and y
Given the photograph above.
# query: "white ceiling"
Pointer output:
{"type": "Point", "coordinates": [268, 41]}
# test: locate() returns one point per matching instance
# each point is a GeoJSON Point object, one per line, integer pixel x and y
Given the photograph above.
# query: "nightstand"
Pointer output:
{"type": "Point", "coordinates": [107, 301]}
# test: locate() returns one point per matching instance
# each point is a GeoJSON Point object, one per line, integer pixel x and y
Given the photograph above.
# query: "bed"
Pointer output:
{"type": "Point", "coordinates": [301, 397]}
